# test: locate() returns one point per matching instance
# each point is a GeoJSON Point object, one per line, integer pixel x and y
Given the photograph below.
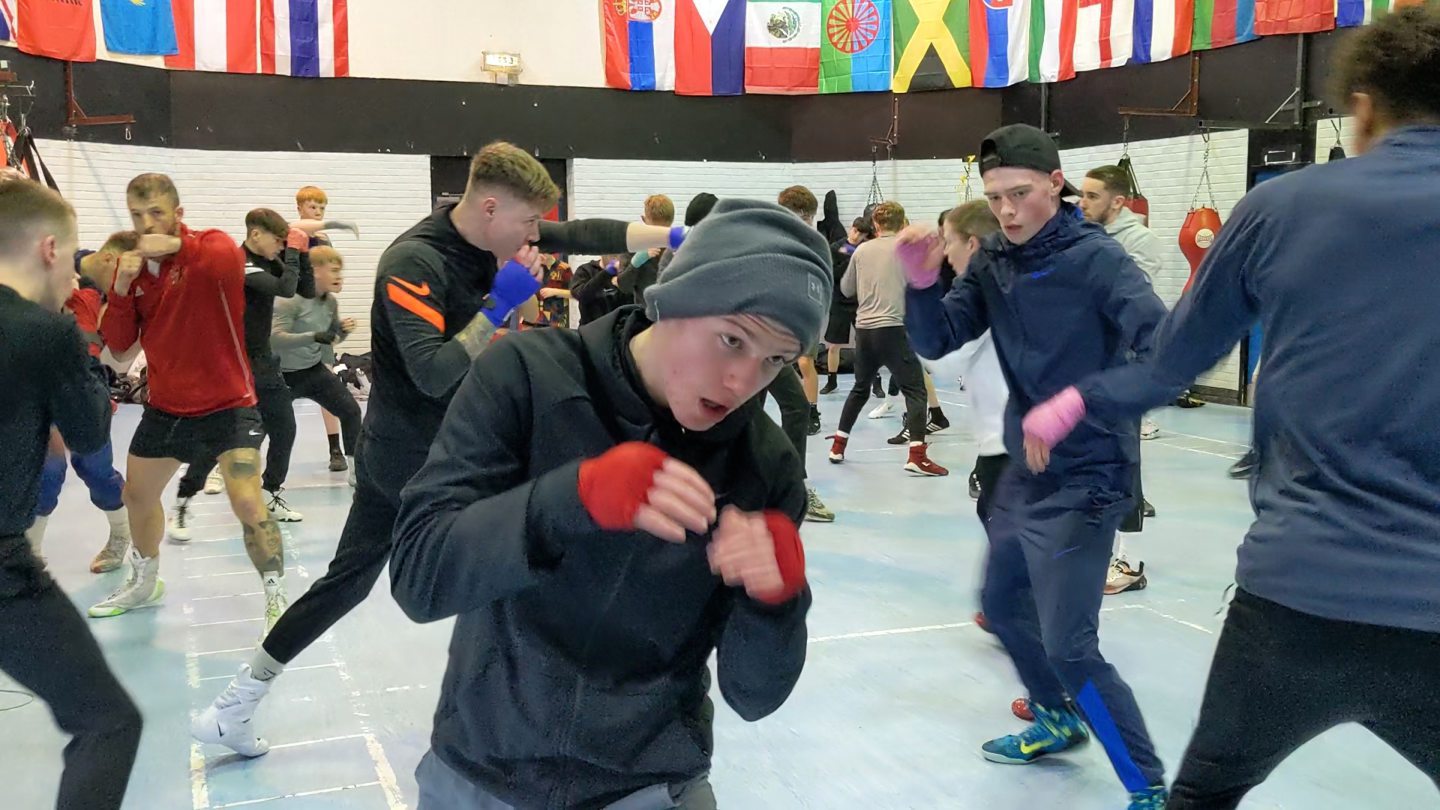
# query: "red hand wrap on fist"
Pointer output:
{"type": "Point", "coordinates": [615, 485]}
{"type": "Point", "coordinates": [298, 240]}
{"type": "Point", "coordinates": [789, 556]}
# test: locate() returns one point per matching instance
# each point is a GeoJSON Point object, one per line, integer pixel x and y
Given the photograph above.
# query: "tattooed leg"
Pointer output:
{"type": "Point", "coordinates": [263, 541]}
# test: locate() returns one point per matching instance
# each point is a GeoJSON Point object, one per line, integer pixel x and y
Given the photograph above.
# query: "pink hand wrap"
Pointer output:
{"type": "Point", "coordinates": [1052, 420]}
{"type": "Point", "coordinates": [921, 271]}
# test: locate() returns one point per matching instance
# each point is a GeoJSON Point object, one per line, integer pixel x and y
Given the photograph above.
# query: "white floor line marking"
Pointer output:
{"type": "Point", "coordinates": [300, 795]}
{"type": "Point", "coordinates": [1160, 442]}
{"type": "Point", "coordinates": [287, 669]}
{"type": "Point", "coordinates": [901, 631]}
{"type": "Point", "coordinates": [251, 572]}
{"type": "Point", "coordinates": [317, 742]}
{"type": "Point", "coordinates": [221, 652]}
{"type": "Point", "coordinates": [215, 556]}
{"type": "Point", "coordinates": [199, 786]}
{"type": "Point", "coordinates": [225, 596]}
{"type": "Point", "coordinates": [228, 621]}
{"type": "Point", "coordinates": [1166, 431]}
{"type": "Point", "coordinates": [1204, 630]}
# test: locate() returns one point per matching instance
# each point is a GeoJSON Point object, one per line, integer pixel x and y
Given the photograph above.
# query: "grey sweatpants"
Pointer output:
{"type": "Point", "coordinates": [441, 788]}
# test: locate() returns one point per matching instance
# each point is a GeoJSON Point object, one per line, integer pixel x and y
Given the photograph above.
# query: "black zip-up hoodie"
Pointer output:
{"type": "Point", "coordinates": [577, 669]}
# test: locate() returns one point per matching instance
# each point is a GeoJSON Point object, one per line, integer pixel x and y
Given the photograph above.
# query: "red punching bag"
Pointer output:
{"type": "Point", "coordinates": [1198, 233]}
{"type": "Point", "coordinates": [1136, 202]}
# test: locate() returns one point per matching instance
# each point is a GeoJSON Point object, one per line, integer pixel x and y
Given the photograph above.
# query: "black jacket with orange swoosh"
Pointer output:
{"type": "Point", "coordinates": [429, 286]}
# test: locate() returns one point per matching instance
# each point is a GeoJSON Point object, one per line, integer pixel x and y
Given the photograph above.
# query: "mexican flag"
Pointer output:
{"type": "Point", "coordinates": [782, 46]}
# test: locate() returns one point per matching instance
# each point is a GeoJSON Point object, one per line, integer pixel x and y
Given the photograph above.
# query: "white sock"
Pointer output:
{"type": "Point", "coordinates": [840, 434]}
{"type": "Point", "coordinates": [36, 533]}
{"type": "Point", "coordinates": [274, 582]}
{"type": "Point", "coordinates": [264, 667]}
{"type": "Point", "coordinates": [119, 522]}
{"type": "Point", "coordinates": [917, 444]}
{"type": "Point", "coordinates": [1120, 546]}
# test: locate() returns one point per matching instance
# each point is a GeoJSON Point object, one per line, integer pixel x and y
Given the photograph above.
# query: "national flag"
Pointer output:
{"type": "Point", "coordinates": [59, 29]}
{"type": "Point", "coordinates": [1350, 13]}
{"type": "Point", "coordinates": [709, 47]}
{"type": "Point", "coordinates": [215, 35]}
{"type": "Point", "coordinates": [1222, 23]}
{"type": "Point", "coordinates": [639, 44]}
{"type": "Point", "coordinates": [999, 42]}
{"type": "Point", "coordinates": [7, 21]}
{"type": "Point", "coordinates": [138, 26]}
{"type": "Point", "coordinates": [1293, 16]}
{"type": "Point", "coordinates": [305, 37]}
{"type": "Point", "coordinates": [782, 46]}
{"type": "Point", "coordinates": [1163, 29]}
{"type": "Point", "coordinates": [855, 53]}
{"type": "Point", "coordinates": [930, 37]}
{"type": "Point", "coordinates": [1104, 34]}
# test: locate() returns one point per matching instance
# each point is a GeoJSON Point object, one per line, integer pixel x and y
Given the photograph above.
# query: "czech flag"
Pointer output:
{"type": "Point", "coordinates": [639, 44]}
{"type": "Point", "coordinates": [709, 47]}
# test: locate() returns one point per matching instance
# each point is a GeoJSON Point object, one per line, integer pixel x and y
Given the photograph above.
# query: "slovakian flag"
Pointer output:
{"type": "Point", "coordinates": [7, 22]}
{"type": "Point", "coordinates": [855, 52]}
{"type": "Point", "coordinates": [1350, 13]}
{"type": "Point", "coordinates": [782, 46]}
{"type": "Point", "coordinates": [1294, 16]}
{"type": "Point", "coordinates": [1081, 35]}
{"type": "Point", "coordinates": [1221, 23]}
{"type": "Point", "coordinates": [1163, 29]}
{"type": "Point", "coordinates": [639, 44]}
{"type": "Point", "coordinates": [305, 37]}
{"type": "Point", "coordinates": [999, 42]}
{"type": "Point", "coordinates": [709, 47]}
{"type": "Point", "coordinates": [138, 26]}
{"type": "Point", "coordinates": [215, 35]}
{"type": "Point", "coordinates": [59, 29]}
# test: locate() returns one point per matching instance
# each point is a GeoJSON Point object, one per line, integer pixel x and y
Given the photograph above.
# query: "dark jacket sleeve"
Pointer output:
{"type": "Point", "coordinates": [586, 236]}
{"type": "Point", "coordinates": [938, 325]}
{"type": "Point", "coordinates": [473, 526]}
{"type": "Point", "coordinates": [259, 279]}
{"type": "Point", "coordinates": [411, 283]}
{"type": "Point", "coordinates": [589, 282]}
{"type": "Point", "coordinates": [305, 284]}
{"type": "Point", "coordinates": [1217, 311]}
{"type": "Point", "coordinates": [79, 400]}
{"type": "Point", "coordinates": [761, 651]}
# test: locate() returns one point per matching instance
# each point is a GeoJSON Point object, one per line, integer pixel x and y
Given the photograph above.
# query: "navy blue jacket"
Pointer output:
{"type": "Point", "coordinates": [1340, 263]}
{"type": "Point", "coordinates": [1064, 305]}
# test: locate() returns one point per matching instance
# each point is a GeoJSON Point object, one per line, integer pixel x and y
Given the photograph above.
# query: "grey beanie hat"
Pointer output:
{"type": "Point", "coordinates": [753, 258]}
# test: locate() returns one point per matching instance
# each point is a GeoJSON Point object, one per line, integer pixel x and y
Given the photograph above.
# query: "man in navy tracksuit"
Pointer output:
{"type": "Point", "coordinates": [1337, 615]}
{"type": "Point", "coordinates": [1061, 300]}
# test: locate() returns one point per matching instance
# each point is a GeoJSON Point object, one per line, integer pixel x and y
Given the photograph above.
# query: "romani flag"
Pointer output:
{"type": "Point", "coordinates": [855, 52]}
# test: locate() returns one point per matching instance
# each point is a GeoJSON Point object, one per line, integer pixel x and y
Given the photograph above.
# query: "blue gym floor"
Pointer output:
{"type": "Point", "coordinates": [899, 691]}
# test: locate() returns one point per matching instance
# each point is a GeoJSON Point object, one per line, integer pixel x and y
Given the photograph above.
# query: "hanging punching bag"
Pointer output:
{"type": "Point", "coordinates": [1198, 233]}
{"type": "Point", "coordinates": [1136, 202]}
{"type": "Point", "coordinates": [1337, 152]}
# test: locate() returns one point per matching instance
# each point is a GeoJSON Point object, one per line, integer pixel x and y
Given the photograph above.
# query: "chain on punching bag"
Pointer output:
{"type": "Point", "coordinates": [1136, 201]}
{"type": "Point", "coordinates": [1202, 224]}
{"type": "Point", "coordinates": [1337, 152]}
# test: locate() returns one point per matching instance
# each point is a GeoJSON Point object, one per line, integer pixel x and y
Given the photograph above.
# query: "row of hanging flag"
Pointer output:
{"type": "Point", "coordinates": [729, 47]}
{"type": "Point", "coordinates": [284, 37]}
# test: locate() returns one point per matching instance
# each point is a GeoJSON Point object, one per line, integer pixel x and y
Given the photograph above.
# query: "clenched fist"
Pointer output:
{"type": "Point", "coordinates": [760, 552]}
{"type": "Point", "coordinates": [127, 270]}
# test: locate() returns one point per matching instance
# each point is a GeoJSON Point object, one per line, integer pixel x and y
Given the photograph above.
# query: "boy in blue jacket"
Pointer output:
{"type": "Point", "coordinates": [1336, 615]}
{"type": "Point", "coordinates": [1061, 300]}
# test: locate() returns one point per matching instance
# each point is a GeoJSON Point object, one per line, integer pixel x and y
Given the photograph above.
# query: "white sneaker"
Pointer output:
{"type": "Point", "coordinates": [142, 588]}
{"type": "Point", "coordinates": [112, 556]}
{"type": "Point", "coordinates": [214, 482]}
{"type": "Point", "coordinates": [1148, 430]}
{"type": "Point", "coordinates": [884, 409]}
{"type": "Point", "coordinates": [280, 510]}
{"type": "Point", "coordinates": [275, 599]}
{"type": "Point", "coordinates": [179, 528]}
{"type": "Point", "coordinates": [350, 476]}
{"type": "Point", "coordinates": [228, 721]}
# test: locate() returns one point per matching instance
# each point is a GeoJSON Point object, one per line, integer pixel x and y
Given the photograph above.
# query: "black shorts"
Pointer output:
{"type": "Point", "coordinates": [840, 331]}
{"type": "Point", "coordinates": [196, 438]}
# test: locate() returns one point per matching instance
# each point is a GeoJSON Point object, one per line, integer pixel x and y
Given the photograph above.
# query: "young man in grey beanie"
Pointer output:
{"type": "Point", "coordinates": [602, 510]}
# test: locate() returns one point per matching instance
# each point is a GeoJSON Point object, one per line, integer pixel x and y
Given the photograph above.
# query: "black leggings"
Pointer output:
{"type": "Point", "coordinates": [887, 347]}
{"type": "Point", "coordinates": [789, 394]}
{"type": "Point", "coordinates": [278, 418]}
{"type": "Point", "coordinates": [323, 387]}
{"type": "Point", "coordinates": [46, 647]}
{"type": "Point", "coordinates": [382, 469]}
{"type": "Point", "coordinates": [1281, 678]}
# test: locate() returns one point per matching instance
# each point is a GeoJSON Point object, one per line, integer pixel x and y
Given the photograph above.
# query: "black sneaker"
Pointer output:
{"type": "Point", "coordinates": [337, 462]}
{"type": "Point", "coordinates": [1148, 510]}
{"type": "Point", "coordinates": [903, 437]}
{"type": "Point", "coordinates": [1245, 467]}
{"type": "Point", "coordinates": [830, 386]}
{"type": "Point", "coordinates": [814, 420]}
{"type": "Point", "coordinates": [938, 422]}
{"type": "Point", "coordinates": [877, 389]}
{"type": "Point", "coordinates": [974, 486]}
{"type": "Point", "coordinates": [1188, 400]}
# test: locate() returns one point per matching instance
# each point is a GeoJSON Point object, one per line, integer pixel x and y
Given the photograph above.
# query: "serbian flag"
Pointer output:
{"type": "Point", "coordinates": [215, 35]}
{"type": "Point", "coordinates": [639, 44]}
{"type": "Point", "coordinates": [709, 47]}
{"type": "Point", "coordinates": [1163, 29]}
{"type": "Point", "coordinates": [305, 37]}
{"type": "Point", "coordinates": [7, 22]}
{"type": "Point", "coordinates": [1222, 23]}
{"type": "Point", "coordinates": [1294, 16]}
{"type": "Point", "coordinates": [999, 42]}
{"type": "Point", "coordinates": [782, 46]}
{"type": "Point", "coordinates": [59, 29]}
{"type": "Point", "coordinates": [1083, 35]}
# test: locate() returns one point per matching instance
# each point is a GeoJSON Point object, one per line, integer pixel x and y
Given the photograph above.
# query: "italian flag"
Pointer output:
{"type": "Point", "coordinates": [782, 46]}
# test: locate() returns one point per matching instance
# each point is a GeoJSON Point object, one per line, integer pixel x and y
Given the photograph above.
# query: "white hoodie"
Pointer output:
{"type": "Point", "coordinates": [987, 392]}
{"type": "Point", "coordinates": [1139, 241]}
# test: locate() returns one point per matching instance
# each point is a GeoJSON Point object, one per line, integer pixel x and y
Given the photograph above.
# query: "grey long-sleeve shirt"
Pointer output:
{"type": "Point", "coordinates": [292, 335]}
{"type": "Point", "coordinates": [876, 280]}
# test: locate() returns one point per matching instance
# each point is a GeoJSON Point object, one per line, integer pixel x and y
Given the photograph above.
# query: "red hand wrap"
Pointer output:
{"type": "Point", "coordinates": [789, 556]}
{"type": "Point", "coordinates": [298, 240]}
{"type": "Point", "coordinates": [615, 485]}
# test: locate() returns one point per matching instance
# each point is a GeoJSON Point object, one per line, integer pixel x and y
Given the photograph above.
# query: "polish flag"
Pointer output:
{"type": "Point", "coordinates": [305, 37]}
{"type": "Point", "coordinates": [216, 35]}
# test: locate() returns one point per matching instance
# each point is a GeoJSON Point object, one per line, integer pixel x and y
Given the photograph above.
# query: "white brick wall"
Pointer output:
{"type": "Point", "coordinates": [384, 194]}
{"type": "Point", "coordinates": [1325, 137]}
{"type": "Point", "coordinates": [1169, 172]}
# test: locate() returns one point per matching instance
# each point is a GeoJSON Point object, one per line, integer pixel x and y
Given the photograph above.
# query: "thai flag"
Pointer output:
{"type": "Point", "coordinates": [710, 47]}
{"type": "Point", "coordinates": [999, 42]}
{"type": "Point", "coordinates": [217, 35]}
{"type": "Point", "coordinates": [640, 44]}
{"type": "Point", "coordinates": [7, 21]}
{"type": "Point", "coordinates": [305, 37]}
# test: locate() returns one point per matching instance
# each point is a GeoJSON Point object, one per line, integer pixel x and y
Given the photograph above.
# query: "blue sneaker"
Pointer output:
{"type": "Point", "coordinates": [1151, 798]}
{"type": "Point", "coordinates": [1053, 732]}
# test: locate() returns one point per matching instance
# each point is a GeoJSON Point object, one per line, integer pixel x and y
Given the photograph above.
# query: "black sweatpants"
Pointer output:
{"type": "Point", "coordinates": [887, 347]}
{"type": "Point", "coordinates": [987, 472]}
{"type": "Point", "coordinates": [1281, 678]}
{"type": "Point", "coordinates": [46, 647]}
{"type": "Point", "coordinates": [278, 417]}
{"type": "Point", "coordinates": [789, 394]}
{"type": "Point", "coordinates": [382, 469]}
{"type": "Point", "coordinates": [323, 387]}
